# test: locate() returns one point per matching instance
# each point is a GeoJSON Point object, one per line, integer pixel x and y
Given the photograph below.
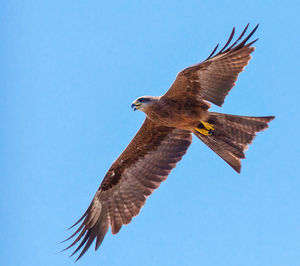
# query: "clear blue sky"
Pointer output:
{"type": "Point", "coordinates": [69, 72]}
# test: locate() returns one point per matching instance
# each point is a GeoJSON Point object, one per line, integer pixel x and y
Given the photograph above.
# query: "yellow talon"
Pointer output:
{"type": "Point", "coordinates": [205, 128]}
{"type": "Point", "coordinates": [208, 126]}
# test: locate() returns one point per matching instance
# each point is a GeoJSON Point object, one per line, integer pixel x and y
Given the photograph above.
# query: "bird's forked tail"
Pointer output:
{"type": "Point", "coordinates": [229, 135]}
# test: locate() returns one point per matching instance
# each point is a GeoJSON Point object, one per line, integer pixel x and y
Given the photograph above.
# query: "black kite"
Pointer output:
{"type": "Point", "coordinates": [165, 136]}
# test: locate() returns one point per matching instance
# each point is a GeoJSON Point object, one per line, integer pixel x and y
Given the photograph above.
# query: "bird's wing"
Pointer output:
{"type": "Point", "coordinates": [213, 78]}
{"type": "Point", "coordinates": [139, 170]}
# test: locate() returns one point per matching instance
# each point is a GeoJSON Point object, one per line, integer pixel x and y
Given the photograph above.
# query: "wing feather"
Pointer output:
{"type": "Point", "coordinates": [213, 78]}
{"type": "Point", "coordinates": [139, 170]}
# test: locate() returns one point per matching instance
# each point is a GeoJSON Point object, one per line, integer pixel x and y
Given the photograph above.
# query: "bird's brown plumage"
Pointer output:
{"type": "Point", "coordinates": [214, 78]}
{"type": "Point", "coordinates": [165, 137]}
{"type": "Point", "coordinates": [140, 169]}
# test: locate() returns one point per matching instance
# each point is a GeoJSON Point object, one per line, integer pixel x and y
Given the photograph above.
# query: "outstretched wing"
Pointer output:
{"type": "Point", "coordinates": [215, 77]}
{"type": "Point", "coordinates": [139, 170]}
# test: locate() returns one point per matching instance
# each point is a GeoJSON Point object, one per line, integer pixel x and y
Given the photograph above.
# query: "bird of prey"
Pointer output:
{"type": "Point", "coordinates": [165, 136]}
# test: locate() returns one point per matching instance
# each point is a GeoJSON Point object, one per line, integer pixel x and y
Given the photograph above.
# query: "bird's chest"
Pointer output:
{"type": "Point", "coordinates": [179, 114]}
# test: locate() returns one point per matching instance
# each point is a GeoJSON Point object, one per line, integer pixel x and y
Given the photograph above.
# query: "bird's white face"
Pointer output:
{"type": "Point", "coordinates": [142, 102]}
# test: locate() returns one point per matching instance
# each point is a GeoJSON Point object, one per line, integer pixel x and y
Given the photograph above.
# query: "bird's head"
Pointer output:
{"type": "Point", "coordinates": [143, 102]}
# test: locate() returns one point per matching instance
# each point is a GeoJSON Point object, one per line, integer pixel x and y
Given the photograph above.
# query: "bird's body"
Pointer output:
{"type": "Point", "coordinates": [165, 136]}
{"type": "Point", "coordinates": [177, 113]}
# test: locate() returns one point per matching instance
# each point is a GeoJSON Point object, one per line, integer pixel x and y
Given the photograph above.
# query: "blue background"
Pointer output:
{"type": "Point", "coordinates": [69, 72]}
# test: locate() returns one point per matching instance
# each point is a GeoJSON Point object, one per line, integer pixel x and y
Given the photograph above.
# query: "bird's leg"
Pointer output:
{"type": "Point", "coordinates": [205, 128]}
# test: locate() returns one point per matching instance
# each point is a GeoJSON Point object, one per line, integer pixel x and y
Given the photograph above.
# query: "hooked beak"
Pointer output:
{"type": "Point", "coordinates": [135, 106]}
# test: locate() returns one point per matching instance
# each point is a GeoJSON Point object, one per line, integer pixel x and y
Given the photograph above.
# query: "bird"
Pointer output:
{"type": "Point", "coordinates": [165, 136]}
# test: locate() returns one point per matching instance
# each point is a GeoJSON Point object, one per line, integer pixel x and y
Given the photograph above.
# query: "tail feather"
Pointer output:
{"type": "Point", "coordinates": [232, 134]}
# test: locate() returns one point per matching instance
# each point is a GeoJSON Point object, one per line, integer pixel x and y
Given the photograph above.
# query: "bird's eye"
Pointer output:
{"type": "Point", "coordinates": [141, 100]}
